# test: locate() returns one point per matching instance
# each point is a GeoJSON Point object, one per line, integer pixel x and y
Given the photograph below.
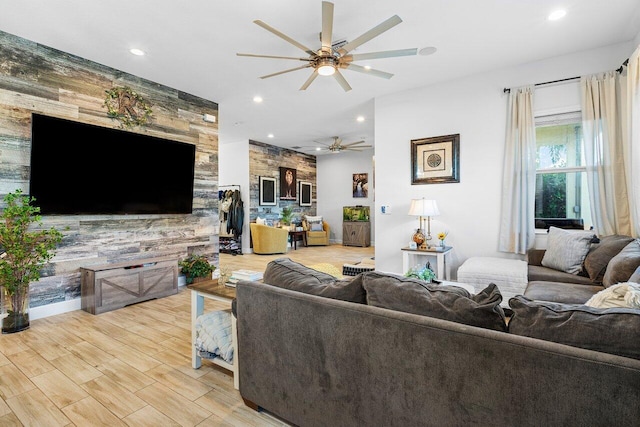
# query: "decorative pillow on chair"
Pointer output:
{"type": "Point", "coordinates": [609, 330]}
{"type": "Point", "coordinates": [566, 250]}
{"type": "Point", "coordinates": [317, 226]}
{"type": "Point", "coordinates": [261, 221]}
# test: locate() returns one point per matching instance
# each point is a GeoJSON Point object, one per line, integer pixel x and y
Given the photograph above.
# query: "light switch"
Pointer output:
{"type": "Point", "coordinates": [385, 210]}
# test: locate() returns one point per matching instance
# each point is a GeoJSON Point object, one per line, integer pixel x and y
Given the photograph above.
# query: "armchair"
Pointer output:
{"type": "Point", "coordinates": [269, 240]}
{"type": "Point", "coordinates": [318, 238]}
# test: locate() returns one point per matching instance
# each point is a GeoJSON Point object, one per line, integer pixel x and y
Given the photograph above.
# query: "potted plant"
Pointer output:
{"type": "Point", "coordinates": [196, 266]}
{"type": "Point", "coordinates": [25, 249]}
{"type": "Point", "coordinates": [287, 215]}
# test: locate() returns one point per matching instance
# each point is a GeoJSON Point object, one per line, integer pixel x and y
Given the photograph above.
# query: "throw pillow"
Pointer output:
{"type": "Point", "coordinates": [317, 226]}
{"type": "Point", "coordinates": [595, 263]}
{"type": "Point", "coordinates": [609, 330]}
{"type": "Point", "coordinates": [288, 274]}
{"type": "Point", "coordinates": [566, 250]}
{"type": "Point", "coordinates": [313, 218]}
{"type": "Point", "coordinates": [623, 265]}
{"type": "Point", "coordinates": [261, 221]}
{"type": "Point", "coordinates": [429, 299]}
{"type": "Point", "coordinates": [620, 295]}
{"type": "Point", "coordinates": [635, 277]}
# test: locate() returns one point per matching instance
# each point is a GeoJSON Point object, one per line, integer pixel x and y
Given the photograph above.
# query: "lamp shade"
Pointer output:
{"type": "Point", "coordinates": [423, 207]}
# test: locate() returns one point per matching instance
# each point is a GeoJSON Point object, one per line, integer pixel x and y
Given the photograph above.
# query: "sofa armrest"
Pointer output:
{"type": "Point", "coordinates": [534, 256]}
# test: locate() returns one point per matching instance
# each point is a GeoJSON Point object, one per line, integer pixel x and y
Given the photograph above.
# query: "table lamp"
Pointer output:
{"type": "Point", "coordinates": [423, 208]}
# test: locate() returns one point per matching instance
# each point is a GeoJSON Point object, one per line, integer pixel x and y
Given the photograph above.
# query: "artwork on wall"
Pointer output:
{"type": "Point", "coordinates": [267, 191]}
{"type": "Point", "coordinates": [305, 193]}
{"type": "Point", "coordinates": [435, 160]}
{"type": "Point", "coordinates": [287, 184]}
{"type": "Point", "coordinates": [360, 185]}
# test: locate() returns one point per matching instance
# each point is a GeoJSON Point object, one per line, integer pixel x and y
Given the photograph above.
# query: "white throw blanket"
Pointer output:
{"type": "Point", "coordinates": [213, 335]}
{"type": "Point", "coordinates": [620, 295]}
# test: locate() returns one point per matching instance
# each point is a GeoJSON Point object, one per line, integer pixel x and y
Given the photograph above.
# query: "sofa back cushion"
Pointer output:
{"type": "Point", "coordinates": [429, 299]}
{"type": "Point", "coordinates": [596, 261]}
{"type": "Point", "coordinates": [623, 265]}
{"type": "Point", "coordinates": [610, 330]}
{"type": "Point", "coordinates": [288, 274]}
{"type": "Point", "coordinates": [567, 249]}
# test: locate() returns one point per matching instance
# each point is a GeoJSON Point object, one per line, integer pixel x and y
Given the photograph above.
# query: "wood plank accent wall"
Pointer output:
{"type": "Point", "coordinates": [36, 78]}
{"type": "Point", "coordinates": [266, 160]}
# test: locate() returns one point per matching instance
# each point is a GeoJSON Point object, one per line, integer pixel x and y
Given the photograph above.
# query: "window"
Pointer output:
{"type": "Point", "coordinates": [562, 198]}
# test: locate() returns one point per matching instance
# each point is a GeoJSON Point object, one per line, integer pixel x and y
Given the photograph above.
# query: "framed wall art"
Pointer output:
{"type": "Point", "coordinates": [267, 191]}
{"type": "Point", "coordinates": [287, 184]}
{"type": "Point", "coordinates": [360, 185]}
{"type": "Point", "coordinates": [305, 193]}
{"type": "Point", "coordinates": [435, 160]}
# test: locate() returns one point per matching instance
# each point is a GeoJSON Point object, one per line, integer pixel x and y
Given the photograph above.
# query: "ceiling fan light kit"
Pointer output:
{"type": "Point", "coordinates": [327, 60]}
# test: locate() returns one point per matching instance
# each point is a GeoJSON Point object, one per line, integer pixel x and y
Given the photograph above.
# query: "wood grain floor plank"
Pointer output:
{"type": "Point", "coordinates": [34, 409]}
{"type": "Point", "coordinates": [59, 388]}
{"type": "Point", "coordinates": [126, 375]}
{"type": "Point", "coordinates": [179, 382]}
{"type": "Point", "coordinates": [75, 368]}
{"type": "Point", "coordinates": [137, 359]}
{"type": "Point", "coordinates": [173, 405]}
{"type": "Point", "coordinates": [13, 382]}
{"type": "Point", "coordinates": [89, 412]}
{"type": "Point", "coordinates": [31, 363]}
{"type": "Point", "coordinates": [114, 396]}
{"type": "Point", "coordinates": [149, 417]}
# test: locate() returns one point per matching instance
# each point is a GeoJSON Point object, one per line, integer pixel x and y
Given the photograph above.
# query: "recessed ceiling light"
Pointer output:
{"type": "Point", "coordinates": [360, 118]}
{"type": "Point", "coordinates": [137, 52]}
{"type": "Point", "coordinates": [318, 148]}
{"type": "Point", "coordinates": [367, 67]}
{"type": "Point", "coordinates": [425, 51]}
{"type": "Point", "coordinates": [257, 99]}
{"type": "Point", "coordinates": [270, 135]}
{"type": "Point", "coordinates": [558, 14]}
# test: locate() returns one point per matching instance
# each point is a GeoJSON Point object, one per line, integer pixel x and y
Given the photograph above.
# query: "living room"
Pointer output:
{"type": "Point", "coordinates": [471, 105]}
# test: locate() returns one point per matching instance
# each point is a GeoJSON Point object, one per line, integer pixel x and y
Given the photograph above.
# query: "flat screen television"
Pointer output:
{"type": "Point", "coordinates": [78, 168]}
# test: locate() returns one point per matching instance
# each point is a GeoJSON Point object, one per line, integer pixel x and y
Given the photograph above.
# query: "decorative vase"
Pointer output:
{"type": "Point", "coordinates": [418, 237]}
{"type": "Point", "coordinates": [15, 310]}
{"type": "Point", "coordinates": [442, 243]}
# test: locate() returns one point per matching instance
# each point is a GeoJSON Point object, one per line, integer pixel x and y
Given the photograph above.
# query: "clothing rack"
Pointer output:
{"type": "Point", "coordinates": [231, 243]}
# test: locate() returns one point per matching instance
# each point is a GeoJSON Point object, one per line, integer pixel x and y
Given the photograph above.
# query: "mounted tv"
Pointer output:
{"type": "Point", "coordinates": [78, 168]}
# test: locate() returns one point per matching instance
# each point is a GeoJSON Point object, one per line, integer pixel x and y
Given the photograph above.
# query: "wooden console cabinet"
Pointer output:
{"type": "Point", "coordinates": [356, 233]}
{"type": "Point", "coordinates": [108, 287]}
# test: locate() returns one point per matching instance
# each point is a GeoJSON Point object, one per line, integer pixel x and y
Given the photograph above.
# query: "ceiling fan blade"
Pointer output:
{"type": "Point", "coordinates": [253, 55]}
{"type": "Point", "coordinates": [371, 71]}
{"type": "Point", "coordinates": [374, 32]}
{"type": "Point", "coordinates": [285, 71]}
{"type": "Point", "coordinates": [342, 81]}
{"type": "Point", "coordinates": [310, 80]}
{"type": "Point", "coordinates": [352, 143]}
{"type": "Point", "coordinates": [284, 37]}
{"type": "Point", "coordinates": [327, 25]}
{"type": "Point", "coordinates": [383, 54]}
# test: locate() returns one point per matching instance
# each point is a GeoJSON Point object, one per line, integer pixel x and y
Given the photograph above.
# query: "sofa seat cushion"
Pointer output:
{"type": "Point", "coordinates": [609, 330]}
{"type": "Point", "coordinates": [288, 274]}
{"type": "Point", "coordinates": [596, 261]}
{"type": "Point", "coordinates": [567, 249]}
{"type": "Point", "coordinates": [429, 299]}
{"type": "Point", "coordinates": [623, 265]}
{"type": "Point", "coordinates": [570, 293]}
{"type": "Point", "coordinates": [540, 273]}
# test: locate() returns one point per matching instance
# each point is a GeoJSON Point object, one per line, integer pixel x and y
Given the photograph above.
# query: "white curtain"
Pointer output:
{"type": "Point", "coordinates": [604, 153]}
{"type": "Point", "coordinates": [517, 232]}
{"type": "Point", "coordinates": [631, 137]}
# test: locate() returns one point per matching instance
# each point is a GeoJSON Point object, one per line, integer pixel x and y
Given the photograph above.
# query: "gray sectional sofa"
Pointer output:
{"type": "Point", "coordinates": [597, 264]}
{"type": "Point", "coordinates": [383, 350]}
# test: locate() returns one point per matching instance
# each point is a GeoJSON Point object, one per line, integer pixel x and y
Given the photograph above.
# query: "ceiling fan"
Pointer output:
{"type": "Point", "coordinates": [327, 60]}
{"type": "Point", "coordinates": [337, 146]}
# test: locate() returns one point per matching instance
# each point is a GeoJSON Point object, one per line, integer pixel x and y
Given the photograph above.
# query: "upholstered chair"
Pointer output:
{"type": "Point", "coordinates": [319, 238]}
{"type": "Point", "coordinates": [269, 240]}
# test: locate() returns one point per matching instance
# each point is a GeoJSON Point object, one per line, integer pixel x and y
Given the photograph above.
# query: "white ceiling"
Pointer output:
{"type": "Point", "coordinates": [191, 45]}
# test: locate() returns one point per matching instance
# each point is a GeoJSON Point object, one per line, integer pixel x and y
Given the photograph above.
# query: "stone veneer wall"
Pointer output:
{"type": "Point", "coordinates": [36, 78]}
{"type": "Point", "coordinates": [266, 160]}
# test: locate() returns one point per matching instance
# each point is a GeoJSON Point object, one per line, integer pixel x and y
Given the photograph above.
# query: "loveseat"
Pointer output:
{"type": "Point", "coordinates": [317, 351]}
{"type": "Point", "coordinates": [577, 265]}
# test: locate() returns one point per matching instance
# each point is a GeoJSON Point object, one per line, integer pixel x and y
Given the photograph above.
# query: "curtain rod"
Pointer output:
{"type": "Point", "coordinates": [619, 70]}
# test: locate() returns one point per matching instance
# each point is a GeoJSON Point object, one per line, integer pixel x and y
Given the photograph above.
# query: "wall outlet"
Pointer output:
{"type": "Point", "coordinates": [385, 210]}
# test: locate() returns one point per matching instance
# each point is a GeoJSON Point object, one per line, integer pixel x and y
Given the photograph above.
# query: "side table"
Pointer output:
{"type": "Point", "coordinates": [295, 236]}
{"type": "Point", "coordinates": [212, 290]}
{"type": "Point", "coordinates": [443, 269]}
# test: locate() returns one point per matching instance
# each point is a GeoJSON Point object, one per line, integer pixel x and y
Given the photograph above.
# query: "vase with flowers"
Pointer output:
{"type": "Point", "coordinates": [441, 236]}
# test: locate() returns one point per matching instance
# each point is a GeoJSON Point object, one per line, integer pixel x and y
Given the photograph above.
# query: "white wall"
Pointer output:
{"type": "Point", "coordinates": [233, 168]}
{"type": "Point", "coordinates": [334, 178]}
{"type": "Point", "coordinates": [474, 107]}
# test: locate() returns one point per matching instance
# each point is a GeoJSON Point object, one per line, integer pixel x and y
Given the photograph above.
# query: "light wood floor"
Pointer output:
{"type": "Point", "coordinates": [132, 366]}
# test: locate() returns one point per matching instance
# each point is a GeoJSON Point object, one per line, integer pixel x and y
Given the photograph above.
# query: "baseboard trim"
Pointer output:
{"type": "Point", "coordinates": [55, 308]}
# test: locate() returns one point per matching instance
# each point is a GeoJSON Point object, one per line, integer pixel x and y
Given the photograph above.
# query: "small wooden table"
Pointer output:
{"type": "Point", "coordinates": [294, 236]}
{"type": "Point", "coordinates": [212, 290]}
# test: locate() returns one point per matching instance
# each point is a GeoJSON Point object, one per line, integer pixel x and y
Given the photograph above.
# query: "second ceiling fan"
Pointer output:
{"type": "Point", "coordinates": [328, 60]}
